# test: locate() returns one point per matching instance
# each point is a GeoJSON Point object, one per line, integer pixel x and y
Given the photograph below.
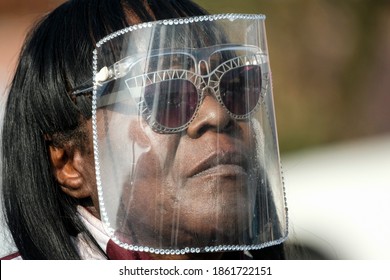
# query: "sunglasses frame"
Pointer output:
{"type": "Point", "coordinates": [201, 83]}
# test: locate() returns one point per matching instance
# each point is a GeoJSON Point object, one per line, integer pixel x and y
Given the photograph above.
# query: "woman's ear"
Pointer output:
{"type": "Point", "coordinates": [70, 168]}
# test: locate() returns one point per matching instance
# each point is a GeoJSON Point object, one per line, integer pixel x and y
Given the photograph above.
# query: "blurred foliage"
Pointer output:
{"type": "Point", "coordinates": [331, 65]}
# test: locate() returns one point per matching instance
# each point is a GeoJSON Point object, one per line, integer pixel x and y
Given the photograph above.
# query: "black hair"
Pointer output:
{"type": "Point", "coordinates": [55, 59]}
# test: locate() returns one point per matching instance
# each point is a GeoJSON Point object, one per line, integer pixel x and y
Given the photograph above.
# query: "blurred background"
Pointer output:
{"type": "Point", "coordinates": [331, 74]}
{"type": "Point", "coordinates": [331, 66]}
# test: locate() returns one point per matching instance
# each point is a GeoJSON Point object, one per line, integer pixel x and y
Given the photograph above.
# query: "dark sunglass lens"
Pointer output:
{"type": "Point", "coordinates": [171, 103]}
{"type": "Point", "coordinates": [240, 89]}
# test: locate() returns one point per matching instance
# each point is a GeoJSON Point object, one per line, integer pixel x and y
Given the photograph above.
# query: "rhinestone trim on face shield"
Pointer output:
{"type": "Point", "coordinates": [104, 213]}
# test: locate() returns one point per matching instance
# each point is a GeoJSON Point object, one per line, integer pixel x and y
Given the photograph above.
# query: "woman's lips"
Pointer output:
{"type": "Point", "coordinates": [222, 170]}
{"type": "Point", "coordinates": [221, 164]}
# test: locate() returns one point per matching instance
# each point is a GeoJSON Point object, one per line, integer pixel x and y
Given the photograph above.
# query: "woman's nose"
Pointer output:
{"type": "Point", "coordinates": [211, 116]}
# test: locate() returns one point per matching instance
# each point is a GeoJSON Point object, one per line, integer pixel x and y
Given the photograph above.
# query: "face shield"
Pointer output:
{"type": "Point", "coordinates": [185, 143]}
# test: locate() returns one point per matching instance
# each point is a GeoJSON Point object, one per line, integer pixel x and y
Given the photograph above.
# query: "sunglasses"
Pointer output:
{"type": "Point", "coordinates": [170, 99]}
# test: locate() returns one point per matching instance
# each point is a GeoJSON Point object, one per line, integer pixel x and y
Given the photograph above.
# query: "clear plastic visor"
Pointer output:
{"type": "Point", "coordinates": [185, 140]}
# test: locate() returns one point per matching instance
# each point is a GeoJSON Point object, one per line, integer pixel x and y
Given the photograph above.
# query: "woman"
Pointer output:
{"type": "Point", "coordinates": [146, 192]}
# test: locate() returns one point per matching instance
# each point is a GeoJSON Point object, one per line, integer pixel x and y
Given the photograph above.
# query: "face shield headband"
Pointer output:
{"type": "Point", "coordinates": [185, 142]}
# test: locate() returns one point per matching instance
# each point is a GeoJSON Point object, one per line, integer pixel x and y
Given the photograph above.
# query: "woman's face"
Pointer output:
{"type": "Point", "coordinates": [195, 188]}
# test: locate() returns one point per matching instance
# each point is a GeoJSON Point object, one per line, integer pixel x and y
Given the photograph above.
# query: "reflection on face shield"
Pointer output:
{"type": "Point", "coordinates": [163, 188]}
